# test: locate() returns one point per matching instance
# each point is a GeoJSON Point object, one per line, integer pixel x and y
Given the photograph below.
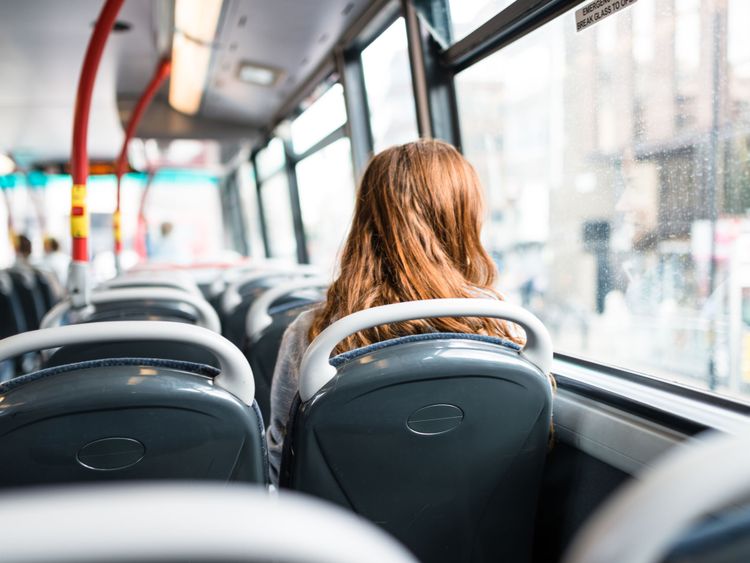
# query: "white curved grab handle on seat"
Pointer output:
{"type": "Point", "coordinates": [316, 371]}
{"type": "Point", "coordinates": [235, 377]}
{"type": "Point", "coordinates": [640, 522]}
{"type": "Point", "coordinates": [167, 522]}
{"type": "Point", "coordinates": [258, 318]}
{"type": "Point", "coordinates": [232, 296]}
{"type": "Point", "coordinates": [136, 281]}
{"type": "Point", "coordinates": [208, 318]}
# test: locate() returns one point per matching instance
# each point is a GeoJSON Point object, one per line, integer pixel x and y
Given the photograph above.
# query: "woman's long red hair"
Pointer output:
{"type": "Point", "coordinates": [415, 235]}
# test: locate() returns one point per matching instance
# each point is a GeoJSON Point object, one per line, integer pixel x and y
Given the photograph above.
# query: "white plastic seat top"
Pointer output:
{"type": "Point", "coordinates": [186, 522]}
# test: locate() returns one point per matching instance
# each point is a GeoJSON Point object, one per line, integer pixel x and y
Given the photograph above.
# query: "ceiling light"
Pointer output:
{"type": "Point", "coordinates": [258, 74]}
{"type": "Point", "coordinates": [197, 19]}
{"type": "Point", "coordinates": [7, 166]}
{"type": "Point", "coordinates": [195, 28]}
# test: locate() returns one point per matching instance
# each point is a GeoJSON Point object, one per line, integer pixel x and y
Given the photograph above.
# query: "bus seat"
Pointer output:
{"type": "Point", "coordinates": [49, 288]}
{"type": "Point", "coordinates": [653, 517]}
{"type": "Point", "coordinates": [135, 304]}
{"type": "Point", "coordinates": [242, 292]}
{"type": "Point", "coordinates": [721, 539]}
{"type": "Point", "coordinates": [177, 522]}
{"type": "Point", "coordinates": [138, 303]}
{"type": "Point", "coordinates": [439, 438]}
{"type": "Point", "coordinates": [266, 322]}
{"type": "Point", "coordinates": [173, 279]}
{"type": "Point", "coordinates": [130, 418]}
{"type": "Point", "coordinates": [139, 349]}
{"type": "Point", "coordinates": [29, 295]}
{"type": "Point", "coordinates": [12, 318]}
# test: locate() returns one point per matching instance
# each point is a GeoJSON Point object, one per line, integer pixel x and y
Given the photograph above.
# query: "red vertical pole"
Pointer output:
{"type": "Point", "coordinates": [160, 75]}
{"type": "Point", "coordinates": [79, 161]}
{"type": "Point", "coordinates": [79, 164]}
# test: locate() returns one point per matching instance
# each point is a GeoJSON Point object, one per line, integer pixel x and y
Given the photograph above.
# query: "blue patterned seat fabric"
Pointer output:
{"type": "Point", "coordinates": [198, 369]}
{"type": "Point", "coordinates": [341, 359]}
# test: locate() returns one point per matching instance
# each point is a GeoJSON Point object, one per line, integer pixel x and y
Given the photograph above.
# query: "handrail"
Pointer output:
{"type": "Point", "coordinates": [228, 275]}
{"type": "Point", "coordinates": [151, 280]}
{"type": "Point", "coordinates": [236, 377]}
{"type": "Point", "coordinates": [258, 319]}
{"type": "Point", "coordinates": [160, 75]}
{"type": "Point", "coordinates": [79, 164]}
{"type": "Point", "coordinates": [208, 318]}
{"type": "Point", "coordinates": [316, 371]}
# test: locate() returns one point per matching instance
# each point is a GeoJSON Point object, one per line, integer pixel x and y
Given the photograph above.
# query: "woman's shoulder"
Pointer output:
{"type": "Point", "coordinates": [300, 326]}
{"type": "Point", "coordinates": [305, 318]}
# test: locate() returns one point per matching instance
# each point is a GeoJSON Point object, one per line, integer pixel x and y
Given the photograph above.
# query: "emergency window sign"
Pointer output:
{"type": "Point", "coordinates": [597, 10]}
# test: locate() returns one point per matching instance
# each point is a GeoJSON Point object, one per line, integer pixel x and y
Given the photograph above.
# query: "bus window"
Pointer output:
{"type": "Point", "coordinates": [389, 90]}
{"type": "Point", "coordinates": [277, 208]}
{"type": "Point", "coordinates": [326, 191]}
{"type": "Point", "coordinates": [618, 183]}
{"type": "Point", "coordinates": [325, 115]}
{"type": "Point", "coordinates": [249, 198]}
{"type": "Point", "coordinates": [270, 159]}
{"type": "Point", "coordinates": [184, 214]}
{"type": "Point", "coordinates": [452, 20]}
{"type": "Point", "coordinates": [275, 200]}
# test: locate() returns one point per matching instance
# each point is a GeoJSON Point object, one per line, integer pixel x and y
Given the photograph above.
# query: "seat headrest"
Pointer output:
{"type": "Point", "coordinates": [344, 357]}
{"type": "Point", "coordinates": [198, 369]}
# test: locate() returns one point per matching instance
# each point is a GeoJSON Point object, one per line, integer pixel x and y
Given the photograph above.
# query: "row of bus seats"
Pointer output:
{"type": "Point", "coordinates": [382, 430]}
{"type": "Point", "coordinates": [451, 470]}
{"type": "Point", "coordinates": [256, 306]}
{"type": "Point", "coordinates": [120, 398]}
{"type": "Point", "coordinates": [26, 295]}
{"type": "Point", "coordinates": [647, 521]}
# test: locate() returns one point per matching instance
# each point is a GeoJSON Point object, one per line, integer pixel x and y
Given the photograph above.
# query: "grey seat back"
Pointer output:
{"type": "Point", "coordinates": [262, 353]}
{"type": "Point", "coordinates": [12, 319]}
{"type": "Point", "coordinates": [239, 297]}
{"type": "Point", "coordinates": [439, 438]}
{"type": "Point", "coordinates": [720, 539]}
{"type": "Point", "coordinates": [125, 419]}
{"type": "Point", "coordinates": [141, 304]}
{"type": "Point", "coordinates": [49, 288]}
{"type": "Point", "coordinates": [267, 320]}
{"type": "Point", "coordinates": [29, 295]}
{"type": "Point", "coordinates": [130, 418]}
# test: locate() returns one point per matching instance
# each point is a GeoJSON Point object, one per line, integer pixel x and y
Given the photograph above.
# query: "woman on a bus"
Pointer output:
{"type": "Point", "coordinates": [415, 235]}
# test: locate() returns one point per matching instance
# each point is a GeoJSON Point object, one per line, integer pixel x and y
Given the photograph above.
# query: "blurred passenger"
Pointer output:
{"type": "Point", "coordinates": [415, 235]}
{"type": "Point", "coordinates": [167, 248]}
{"type": "Point", "coordinates": [23, 251]}
{"type": "Point", "coordinates": [55, 260]}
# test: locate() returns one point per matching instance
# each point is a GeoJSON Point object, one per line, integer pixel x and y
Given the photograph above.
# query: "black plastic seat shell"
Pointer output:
{"type": "Point", "coordinates": [87, 421]}
{"type": "Point", "coordinates": [451, 486]}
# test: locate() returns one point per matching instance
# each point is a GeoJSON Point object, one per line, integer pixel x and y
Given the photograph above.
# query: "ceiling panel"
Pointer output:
{"type": "Point", "coordinates": [292, 35]}
{"type": "Point", "coordinates": [42, 44]}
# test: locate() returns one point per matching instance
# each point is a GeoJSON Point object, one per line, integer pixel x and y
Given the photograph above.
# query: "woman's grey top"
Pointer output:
{"type": "Point", "coordinates": [285, 385]}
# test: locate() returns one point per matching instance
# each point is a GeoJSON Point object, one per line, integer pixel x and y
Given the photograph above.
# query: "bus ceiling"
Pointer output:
{"type": "Point", "coordinates": [257, 61]}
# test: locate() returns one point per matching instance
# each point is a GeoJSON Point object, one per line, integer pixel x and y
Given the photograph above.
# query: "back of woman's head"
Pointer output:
{"type": "Point", "coordinates": [415, 235]}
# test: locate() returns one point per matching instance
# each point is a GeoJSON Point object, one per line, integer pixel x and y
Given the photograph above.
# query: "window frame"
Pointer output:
{"type": "Point", "coordinates": [293, 158]}
{"type": "Point", "coordinates": [508, 26]}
